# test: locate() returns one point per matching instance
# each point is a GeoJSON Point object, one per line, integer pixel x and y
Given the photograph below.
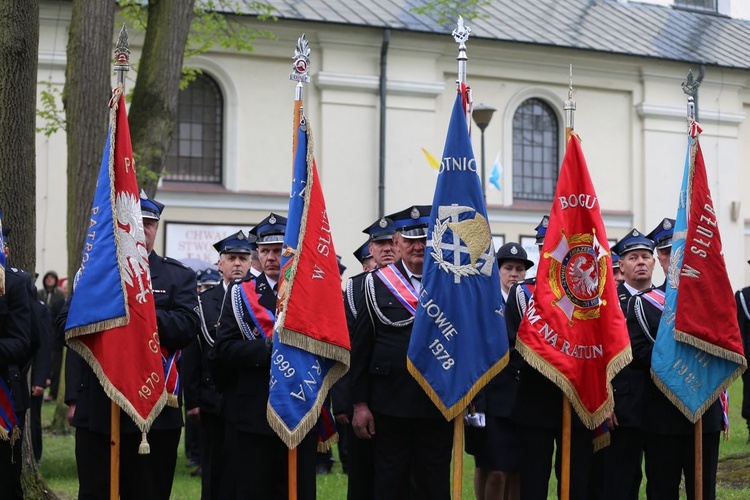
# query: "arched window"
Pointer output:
{"type": "Point", "coordinates": [195, 152]}
{"type": "Point", "coordinates": [535, 151]}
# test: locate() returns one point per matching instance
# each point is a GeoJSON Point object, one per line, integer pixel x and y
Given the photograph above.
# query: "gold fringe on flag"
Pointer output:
{"type": "Point", "coordinates": [590, 420]}
{"type": "Point", "coordinates": [453, 411]}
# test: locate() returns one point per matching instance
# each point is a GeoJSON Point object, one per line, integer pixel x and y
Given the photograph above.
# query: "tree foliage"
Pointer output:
{"type": "Point", "coordinates": [216, 23]}
{"type": "Point", "coordinates": [446, 12]}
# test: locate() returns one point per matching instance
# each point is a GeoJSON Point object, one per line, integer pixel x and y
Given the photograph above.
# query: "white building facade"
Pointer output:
{"type": "Point", "coordinates": [231, 161]}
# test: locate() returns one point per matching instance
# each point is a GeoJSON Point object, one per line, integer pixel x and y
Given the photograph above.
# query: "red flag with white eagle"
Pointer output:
{"type": "Point", "coordinates": [573, 331]}
{"type": "Point", "coordinates": [112, 318]}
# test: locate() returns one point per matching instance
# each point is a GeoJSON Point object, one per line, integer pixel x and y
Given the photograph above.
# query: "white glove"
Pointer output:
{"type": "Point", "coordinates": [474, 419]}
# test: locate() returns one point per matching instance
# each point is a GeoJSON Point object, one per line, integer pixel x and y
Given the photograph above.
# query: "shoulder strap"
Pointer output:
{"type": "Point", "coordinates": [743, 301]}
{"type": "Point", "coordinates": [399, 286]}
{"type": "Point", "coordinates": [372, 305]}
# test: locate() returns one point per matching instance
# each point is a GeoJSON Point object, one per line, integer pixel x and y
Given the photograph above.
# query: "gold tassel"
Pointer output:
{"type": "Point", "coordinates": [172, 401]}
{"type": "Point", "coordinates": [144, 448]}
{"type": "Point", "coordinates": [601, 442]}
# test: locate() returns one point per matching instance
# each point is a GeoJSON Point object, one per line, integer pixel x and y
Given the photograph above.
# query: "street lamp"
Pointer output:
{"type": "Point", "coordinates": [482, 115]}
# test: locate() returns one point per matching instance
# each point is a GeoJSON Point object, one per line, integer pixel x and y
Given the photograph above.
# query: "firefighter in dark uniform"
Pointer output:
{"type": "Point", "coordinates": [621, 461]}
{"type": "Point", "coordinates": [202, 399]}
{"type": "Point", "coordinates": [141, 476]}
{"type": "Point", "coordinates": [15, 332]}
{"type": "Point", "coordinates": [411, 439]}
{"type": "Point", "coordinates": [491, 435]}
{"type": "Point", "coordinates": [257, 456]}
{"type": "Point", "coordinates": [668, 434]}
{"type": "Point", "coordinates": [538, 413]}
{"type": "Point", "coordinates": [662, 238]}
{"type": "Point", "coordinates": [742, 298]}
{"type": "Point", "coordinates": [379, 250]}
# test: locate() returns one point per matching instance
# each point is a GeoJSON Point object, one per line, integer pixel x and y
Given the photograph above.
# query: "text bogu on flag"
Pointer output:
{"type": "Point", "coordinates": [573, 331]}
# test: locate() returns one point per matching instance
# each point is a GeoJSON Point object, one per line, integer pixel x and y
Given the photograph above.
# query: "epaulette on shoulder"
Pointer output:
{"type": "Point", "coordinates": [170, 260]}
{"type": "Point", "coordinates": [361, 275]}
{"type": "Point", "coordinates": [18, 272]}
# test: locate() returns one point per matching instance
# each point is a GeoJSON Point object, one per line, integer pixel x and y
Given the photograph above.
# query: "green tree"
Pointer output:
{"type": "Point", "coordinates": [446, 12]}
{"type": "Point", "coordinates": [19, 42]}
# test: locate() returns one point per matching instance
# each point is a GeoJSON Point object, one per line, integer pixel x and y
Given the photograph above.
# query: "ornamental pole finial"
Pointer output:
{"type": "Point", "coordinates": [569, 105]}
{"type": "Point", "coordinates": [301, 65]}
{"type": "Point", "coordinates": [460, 35]}
{"type": "Point", "coordinates": [690, 87]}
{"type": "Point", "coordinates": [122, 56]}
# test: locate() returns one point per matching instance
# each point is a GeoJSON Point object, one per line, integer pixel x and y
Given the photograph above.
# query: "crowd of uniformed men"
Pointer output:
{"type": "Point", "coordinates": [394, 441]}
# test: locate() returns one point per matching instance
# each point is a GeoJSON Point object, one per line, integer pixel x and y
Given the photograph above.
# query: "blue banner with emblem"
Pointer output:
{"type": "Point", "coordinates": [459, 339]}
{"type": "Point", "coordinates": [692, 378]}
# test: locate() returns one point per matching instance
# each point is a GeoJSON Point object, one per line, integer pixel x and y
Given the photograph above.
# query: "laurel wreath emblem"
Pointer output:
{"type": "Point", "coordinates": [437, 237]}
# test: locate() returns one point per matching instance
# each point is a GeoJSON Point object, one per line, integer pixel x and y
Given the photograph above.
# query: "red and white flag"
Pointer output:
{"type": "Point", "coordinates": [573, 331]}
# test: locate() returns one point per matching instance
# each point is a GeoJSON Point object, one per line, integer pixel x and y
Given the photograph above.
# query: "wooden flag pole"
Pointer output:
{"type": "Point", "coordinates": [569, 106]}
{"type": "Point", "coordinates": [122, 65]}
{"type": "Point", "coordinates": [299, 74]}
{"type": "Point", "coordinates": [698, 459]}
{"type": "Point", "coordinates": [565, 451]}
{"type": "Point", "coordinates": [292, 468]}
{"type": "Point", "coordinates": [458, 456]}
{"type": "Point", "coordinates": [114, 452]}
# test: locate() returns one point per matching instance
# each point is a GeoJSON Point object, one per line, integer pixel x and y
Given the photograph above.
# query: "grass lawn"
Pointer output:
{"type": "Point", "coordinates": [59, 469]}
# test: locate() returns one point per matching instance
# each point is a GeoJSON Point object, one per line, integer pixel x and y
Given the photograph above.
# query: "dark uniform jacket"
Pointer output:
{"type": "Point", "coordinates": [200, 389]}
{"type": "Point", "coordinates": [176, 298]}
{"type": "Point", "coordinates": [246, 397]}
{"type": "Point", "coordinates": [538, 399]}
{"type": "Point", "coordinates": [742, 298]}
{"type": "Point", "coordinates": [354, 304]}
{"type": "Point", "coordinates": [379, 376]}
{"type": "Point", "coordinates": [629, 382]}
{"type": "Point", "coordinates": [498, 397]}
{"type": "Point", "coordinates": [659, 416]}
{"type": "Point", "coordinates": [15, 332]}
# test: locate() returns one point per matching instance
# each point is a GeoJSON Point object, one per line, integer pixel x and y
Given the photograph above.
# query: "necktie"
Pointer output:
{"type": "Point", "coordinates": [418, 284]}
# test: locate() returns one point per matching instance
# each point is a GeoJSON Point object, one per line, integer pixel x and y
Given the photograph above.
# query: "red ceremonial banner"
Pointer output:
{"type": "Point", "coordinates": [573, 331]}
{"type": "Point", "coordinates": [112, 317]}
{"type": "Point", "coordinates": [704, 282]}
{"type": "Point", "coordinates": [311, 305]}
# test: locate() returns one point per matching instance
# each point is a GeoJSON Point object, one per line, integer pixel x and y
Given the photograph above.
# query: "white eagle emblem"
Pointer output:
{"type": "Point", "coordinates": [132, 257]}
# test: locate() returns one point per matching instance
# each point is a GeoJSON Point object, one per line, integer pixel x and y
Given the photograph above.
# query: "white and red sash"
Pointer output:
{"type": "Point", "coordinates": [399, 286]}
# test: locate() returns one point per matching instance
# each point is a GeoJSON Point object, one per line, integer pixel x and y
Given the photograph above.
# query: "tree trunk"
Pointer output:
{"type": "Point", "coordinates": [19, 42]}
{"type": "Point", "coordinates": [32, 483]}
{"type": "Point", "coordinates": [88, 87]}
{"type": "Point", "coordinates": [154, 107]}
